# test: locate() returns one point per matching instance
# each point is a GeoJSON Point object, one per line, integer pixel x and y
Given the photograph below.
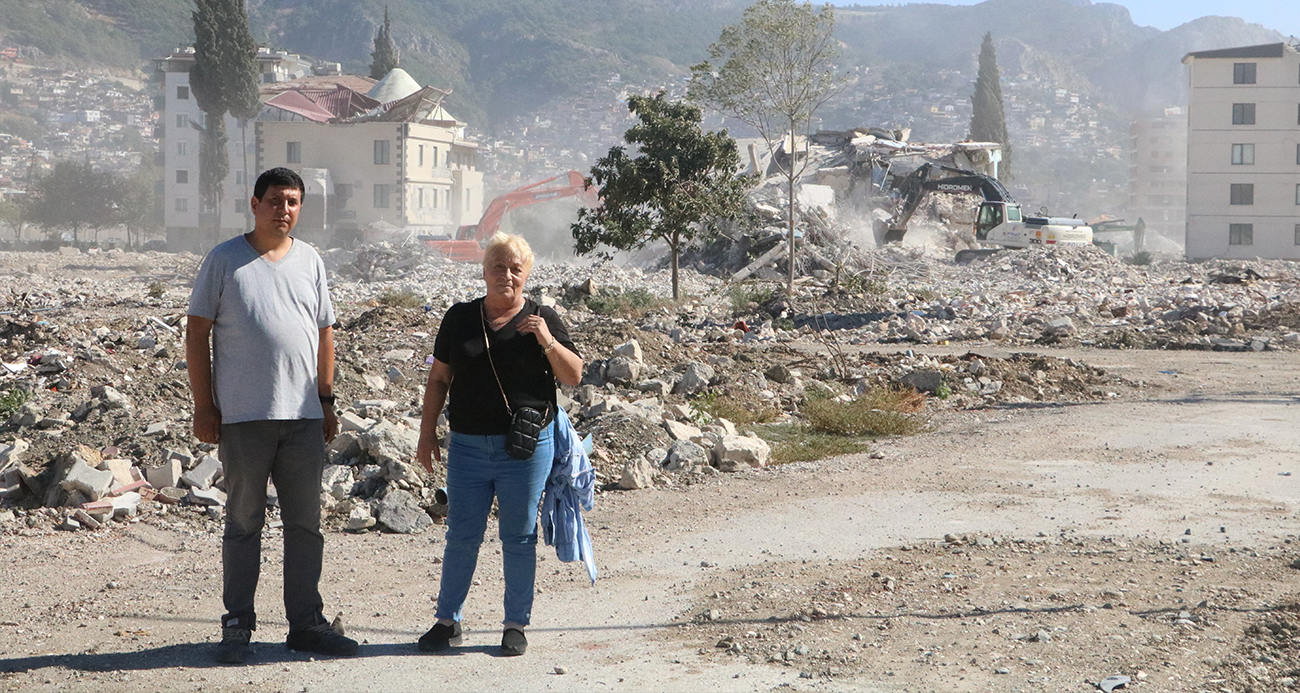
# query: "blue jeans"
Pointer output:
{"type": "Point", "coordinates": [478, 468]}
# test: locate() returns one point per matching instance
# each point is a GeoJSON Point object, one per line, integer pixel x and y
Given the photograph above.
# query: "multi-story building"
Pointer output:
{"type": "Point", "coordinates": [1243, 153]}
{"type": "Point", "coordinates": [1157, 173]}
{"type": "Point", "coordinates": [375, 155]}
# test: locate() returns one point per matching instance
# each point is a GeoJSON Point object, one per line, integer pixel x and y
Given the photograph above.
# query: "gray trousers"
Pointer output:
{"type": "Point", "coordinates": [291, 453]}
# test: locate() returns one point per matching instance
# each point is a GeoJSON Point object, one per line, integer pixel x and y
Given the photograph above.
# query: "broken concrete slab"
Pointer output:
{"type": "Point", "coordinates": [205, 496]}
{"type": "Point", "coordinates": [685, 456]}
{"type": "Point", "coordinates": [400, 512]}
{"type": "Point", "coordinates": [204, 473]}
{"type": "Point", "coordinates": [121, 470]}
{"type": "Point", "coordinates": [696, 377]}
{"type": "Point", "coordinates": [734, 452]}
{"type": "Point", "coordinates": [630, 349]}
{"type": "Point", "coordinates": [637, 473]}
{"type": "Point", "coordinates": [165, 475]}
{"type": "Point", "coordinates": [681, 431]}
{"type": "Point", "coordinates": [91, 482]}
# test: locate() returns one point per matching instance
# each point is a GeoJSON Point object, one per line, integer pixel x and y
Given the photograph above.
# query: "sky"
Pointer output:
{"type": "Point", "coordinates": [1282, 15]}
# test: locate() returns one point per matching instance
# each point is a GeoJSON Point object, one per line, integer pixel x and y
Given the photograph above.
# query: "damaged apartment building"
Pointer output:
{"type": "Point", "coordinates": [377, 157]}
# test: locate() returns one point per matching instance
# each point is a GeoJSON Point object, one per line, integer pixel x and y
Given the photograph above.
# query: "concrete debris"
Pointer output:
{"type": "Point", "coordinates": [735, 453]}
{"type": "Point", "coordinates": [400, 512]}
{"type": "Point", "coordinates": [204, 473]}
{"type": "Point", "coordinates": [637, 473]}
{"type": "Point", "coordinates": [359, 519]}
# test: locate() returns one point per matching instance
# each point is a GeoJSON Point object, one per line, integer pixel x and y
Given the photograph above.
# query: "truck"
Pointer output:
{"type": "Point", "coordinates": [999, 223]}
{"type": "Point", "coordinates": [467, 246]}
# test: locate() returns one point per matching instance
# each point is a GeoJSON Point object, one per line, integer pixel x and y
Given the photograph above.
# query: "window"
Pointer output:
{"type": "Point", "coordinates": [1297, 234]}
{"type": "Point", "coordinates": [182, 120]}
{"type": "Point", "coordinates": [182, 204]}
{"type": "Point", "coordinates": [182, 176]}
{"type": "Point", "coordinates": [381, 153]}
{"type": "Point", "coordinates": [1241, 234]}
{"type": "Point", "coordinates": [1297, 154]}
{"type": "Point", "coordinates": [435, 198]}
{"type": "Point", "coordinates": [293, 152]}
{"type": "Point", "coordinates": [382, 193]}
{"type": "Point", "coordinates": [420, 157]}
{"type": "Point", "coordinates": [1297, 193]}
{"type": "Point", "coordinates": [1297, 114]}
{"type": "Point", "coordinates": [435, 157]}
{"type": "Point", "coordinates": [1243, 114]}
{"type": "Point", "coordinates": [183, 93]}
{"type": "Point", "coordinates": [240, 205]}
{"type": "Point", "coordinates": [183, 148]}
{"type": "Point", "coordinates": [1243, 73]}
{"type": "Point", "coordinates": [1242, 194]}
{"type": "Point", "coordinates": [1243, 155]}
{"type": "Point", "coordinates": [239, 177]}
{"type": "Point", "coordinates": [419, 198]}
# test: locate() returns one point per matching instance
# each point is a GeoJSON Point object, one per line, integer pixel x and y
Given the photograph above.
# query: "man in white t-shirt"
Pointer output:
{"type": "Point", "coordinates": [259, 348]}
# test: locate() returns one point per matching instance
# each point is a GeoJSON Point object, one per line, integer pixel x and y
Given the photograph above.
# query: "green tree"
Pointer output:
{"type": "Point", "coordinates": [385, 57]}
{"type": "Point", "coordinates": [680, 183]}
{"type": "Point", "coordinates": [223, 80]}
{"type": "Point", "coordinates": [75, 197]}
{"type": "Point", "coordinates": [988, 122]}
{"type": "Point", "coordinates": [772, 71]}
{"type": "Point", "coordinates": [140, 205]}
{"type": "Point", "coordinates": [14, 215]}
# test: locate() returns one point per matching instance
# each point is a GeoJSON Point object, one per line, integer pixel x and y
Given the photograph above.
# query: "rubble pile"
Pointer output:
{"type": "Point", "coordinates": [95, 402]}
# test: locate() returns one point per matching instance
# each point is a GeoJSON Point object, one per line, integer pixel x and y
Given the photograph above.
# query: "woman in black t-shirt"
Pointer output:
{"type": "Point", "coordinates": [493, 355]}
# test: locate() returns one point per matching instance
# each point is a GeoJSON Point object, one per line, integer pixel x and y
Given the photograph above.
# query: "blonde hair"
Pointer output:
{"type": "Point", "coordinates": [505, 244]}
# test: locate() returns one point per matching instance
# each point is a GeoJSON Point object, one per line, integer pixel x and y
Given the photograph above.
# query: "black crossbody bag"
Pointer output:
{"type": "Point", "coordinates": [526, 423]}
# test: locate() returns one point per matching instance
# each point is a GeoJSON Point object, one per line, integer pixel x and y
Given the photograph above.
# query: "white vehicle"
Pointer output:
{"type": "Point", "coordinates": [1000, 222]}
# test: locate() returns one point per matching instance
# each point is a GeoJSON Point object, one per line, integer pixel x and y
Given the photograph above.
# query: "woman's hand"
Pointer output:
{"type": "Point", "coordinates": [537, 327]}
{"type": "Point", "coordinates": [428, 450]}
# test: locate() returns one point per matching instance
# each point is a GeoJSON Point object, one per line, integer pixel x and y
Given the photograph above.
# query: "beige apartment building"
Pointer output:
{"type": "Point", "coordinates": [1157, 173]}
{"type": "Point", "coordinates": [376, 156]}
{"type": "Point", "coordinates": [1243, 153]}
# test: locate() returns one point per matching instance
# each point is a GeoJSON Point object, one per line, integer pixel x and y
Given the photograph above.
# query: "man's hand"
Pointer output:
{"type": "Point", "coordinates": [207, 424]}
{"type": "Point", "coordinates": [331, 424]}
{"type": "Point", "coordinates": [428, 450]}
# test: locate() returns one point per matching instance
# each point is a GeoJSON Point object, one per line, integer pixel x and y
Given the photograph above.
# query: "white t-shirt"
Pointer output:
{"type": "Point", "coordinates": [266, 319]}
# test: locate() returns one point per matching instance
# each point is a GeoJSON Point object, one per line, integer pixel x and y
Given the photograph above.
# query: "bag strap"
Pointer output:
{"type": "Point", "coordinates": [487, 346]}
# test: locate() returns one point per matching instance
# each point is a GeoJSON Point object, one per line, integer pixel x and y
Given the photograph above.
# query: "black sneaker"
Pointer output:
{"type": "Point", "coordinates": [321, 639]}
{"type": "Point", "coordinates": [440, 637]}
{"type": "Point", "coordinates": [513, 642]}
{"type": "Point", "coordinates": [233, 648]}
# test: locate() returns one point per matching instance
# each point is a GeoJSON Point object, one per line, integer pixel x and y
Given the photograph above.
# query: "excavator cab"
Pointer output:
{"type": "Point", "coordinates": [992, 215]}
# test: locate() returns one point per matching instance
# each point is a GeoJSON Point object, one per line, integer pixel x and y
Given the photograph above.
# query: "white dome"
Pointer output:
{"type": "Point", "coordinates": [394, 86]}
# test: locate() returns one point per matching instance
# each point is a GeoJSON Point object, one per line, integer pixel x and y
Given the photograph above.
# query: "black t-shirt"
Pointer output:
{"type": "Point", "coordinates": [474, 404]}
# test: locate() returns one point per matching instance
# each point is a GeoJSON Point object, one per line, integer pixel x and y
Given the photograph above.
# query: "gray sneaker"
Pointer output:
{"type": "Point", "coordinates": [233, 648]}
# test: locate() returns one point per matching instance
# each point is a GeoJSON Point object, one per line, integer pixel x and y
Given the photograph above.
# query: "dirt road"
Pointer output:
{"type": "Point", "coordinates": [1140, 536]}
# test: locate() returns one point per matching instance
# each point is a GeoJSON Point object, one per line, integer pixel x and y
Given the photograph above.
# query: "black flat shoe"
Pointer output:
{"type": "Point", "coordinates": [513, 642]}
{"type": "Point", "coordinates": [440, 637]}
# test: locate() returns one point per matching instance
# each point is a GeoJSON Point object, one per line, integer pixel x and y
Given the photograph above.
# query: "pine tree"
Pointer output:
{"type": "Point", "coordinates": [223, 80]}
{"type": "Point", "coordinates": [385, 57]}
{"type": "Point", "coordinates": [988, 122]}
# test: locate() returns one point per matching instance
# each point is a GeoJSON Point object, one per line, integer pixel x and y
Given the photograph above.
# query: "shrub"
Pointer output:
{"type": "Point", "coordinates": [735, 410]}
{"type": "Point", "coordinates": [631, 304]}
{"type": "Point", "coordinates": [11, 401]}
{"type": "Point", "coordinates": [157, 290]}
{"type": "Point", "coordinates": [742, 295]}
{"type": "Point", "coordinates": [400, 299]}
{"type": "Point", "coordinates": [878, 412]}
{"type": "Point", "coordinates": [801, 443]}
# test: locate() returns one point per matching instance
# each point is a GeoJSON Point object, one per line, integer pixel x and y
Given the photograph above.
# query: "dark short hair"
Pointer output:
{"type": "Point", "coordinates": [279, 177]}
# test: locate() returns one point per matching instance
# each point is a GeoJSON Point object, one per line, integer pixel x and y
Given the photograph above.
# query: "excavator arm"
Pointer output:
{"type": "Point", "coordinates": [468, 244]}
{"type": "Point", "coordinates": [542, 191]}
{"type": "Point", "coordinates": [914, 187]}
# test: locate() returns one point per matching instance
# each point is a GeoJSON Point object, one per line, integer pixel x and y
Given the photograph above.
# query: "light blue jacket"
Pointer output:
{"type": "Point", "coordinates": [570, 489]}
